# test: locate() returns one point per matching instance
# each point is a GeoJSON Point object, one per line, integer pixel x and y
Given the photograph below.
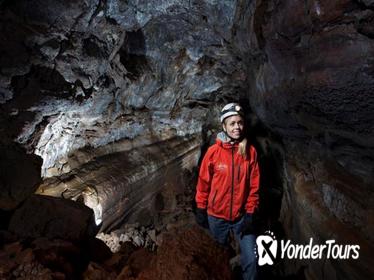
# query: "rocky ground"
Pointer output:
{"type": "Point", "coordinates": [174, 248]}
{"type": "Point", "coordinates": [187, 253]}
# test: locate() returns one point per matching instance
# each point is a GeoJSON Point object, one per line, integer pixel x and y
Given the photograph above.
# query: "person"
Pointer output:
{"type": "Point", "coordinates": [227, 191]}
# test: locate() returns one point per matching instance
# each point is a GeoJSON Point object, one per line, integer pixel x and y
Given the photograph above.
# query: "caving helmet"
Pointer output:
{"type": "Point", "coordinates": [231, 109]}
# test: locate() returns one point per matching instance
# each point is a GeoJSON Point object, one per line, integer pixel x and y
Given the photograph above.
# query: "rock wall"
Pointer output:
{"type": "Point", "coordinates": [98, 88]}
{"type": "Point", "coordinates": [129, 186]}
{"type": "Point", "coordinates": [77, 75]}
{"type": "Point", "coordinates": [311, 79]}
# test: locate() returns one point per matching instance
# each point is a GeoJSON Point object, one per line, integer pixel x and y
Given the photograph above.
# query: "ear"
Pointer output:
{"type": "Point", "coordinates": [223, 127]}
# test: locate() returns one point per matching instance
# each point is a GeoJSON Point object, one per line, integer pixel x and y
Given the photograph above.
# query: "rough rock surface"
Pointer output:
{"type": "Point", "coordinates": [184, 254]}
{"type": "Point", "coordinates": [80, 81]}
{"type": "Point", "coordinates": [19, 175]}
{"type": "Point", "coordinates": [43, 216]}
{"type": "Point", "coordinates": [129, 186]}
{"type": "Point", "coordinates": [40, 259]}
{"type": "Point", "coordinates": [100, 71]}
{"type": "Point", "coordinates": [310, 84]}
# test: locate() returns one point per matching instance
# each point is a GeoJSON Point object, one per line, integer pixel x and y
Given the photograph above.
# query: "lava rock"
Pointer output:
{"type": "Point", "coordinates": [53, 218]}
{"type": "Point", "coordinates": [19, 175]}
{"type": "Point", "coordinates": [188, 254]}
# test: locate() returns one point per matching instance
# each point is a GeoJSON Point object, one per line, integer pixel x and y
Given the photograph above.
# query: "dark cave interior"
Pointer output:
{"type": "Point", "coordinates": [107, 108]}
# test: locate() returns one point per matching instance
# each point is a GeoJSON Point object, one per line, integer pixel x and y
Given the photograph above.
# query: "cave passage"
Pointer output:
{"type": "Point", "coordinates": [107, 108]}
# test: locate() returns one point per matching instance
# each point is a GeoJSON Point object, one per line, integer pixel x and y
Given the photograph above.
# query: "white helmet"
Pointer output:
{"type": "Point", "coordinates": [229, 110]}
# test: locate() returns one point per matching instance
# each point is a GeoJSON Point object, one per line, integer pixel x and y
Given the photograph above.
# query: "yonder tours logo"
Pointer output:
{"type": "Point", "coordinates": [268, 246]}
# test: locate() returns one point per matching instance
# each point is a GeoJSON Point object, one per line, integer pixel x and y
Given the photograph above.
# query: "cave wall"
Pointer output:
{"type": "Point", "coordinates": [86, 74]}
{"type": "Point", "coordinates": [86, 85]}
{"type": "Point", "coordinates": [310, 82]}
{"type": "Point", "coordinates": [112, 95]}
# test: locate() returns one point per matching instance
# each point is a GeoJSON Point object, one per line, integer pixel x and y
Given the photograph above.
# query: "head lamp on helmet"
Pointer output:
{"type": "Point", "coordinates": [229, 110]}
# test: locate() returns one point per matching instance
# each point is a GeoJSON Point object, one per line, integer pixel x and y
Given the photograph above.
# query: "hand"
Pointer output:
{"type": "Point", "coordinates": [202, 217]}
{"type": "Point", "coordinates": [248, 226]}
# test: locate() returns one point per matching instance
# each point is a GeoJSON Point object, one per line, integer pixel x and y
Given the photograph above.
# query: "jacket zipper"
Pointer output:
{"type": "Point", "coordinates": [232, 181]}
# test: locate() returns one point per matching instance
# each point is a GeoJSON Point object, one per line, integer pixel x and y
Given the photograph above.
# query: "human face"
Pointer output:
{"type": "Point", "coordinates": [234, 126]}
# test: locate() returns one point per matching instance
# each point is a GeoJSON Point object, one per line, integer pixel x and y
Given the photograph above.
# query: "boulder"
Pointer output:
{"type": "Point", "coordinates": [19, 175]}
{"type": "Point", "coordinates": [43, 216]}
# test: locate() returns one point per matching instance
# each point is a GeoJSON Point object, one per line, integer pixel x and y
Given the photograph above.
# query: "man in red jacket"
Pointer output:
{"type": "Point", "coordinates": [227, 192]}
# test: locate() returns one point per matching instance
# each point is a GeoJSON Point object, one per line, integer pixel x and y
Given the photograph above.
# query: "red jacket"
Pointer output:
{"type": "Point", "coordinates": [228, 183]}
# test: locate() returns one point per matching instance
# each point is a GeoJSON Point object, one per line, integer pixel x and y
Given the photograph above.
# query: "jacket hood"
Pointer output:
{"type": "Point", "coordinates": [224, 141]}
{"type": "Point", "coordinates": [222, 137]}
